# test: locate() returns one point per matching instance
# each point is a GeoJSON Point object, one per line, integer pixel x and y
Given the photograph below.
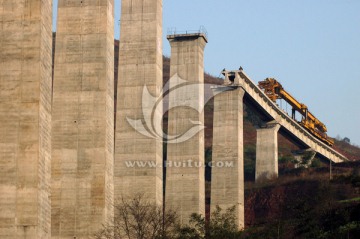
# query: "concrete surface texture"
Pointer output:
{"type": "Point", "coordinates": [227, 180]}
{"type": "Point", "coordinates": [25, 121]}
{"type": "Point", "coordinates": [83, 119]}
{"type": "Point", "coordinates": [185, 185]}
{"type": "Point", "coordinates": [140, 65]}
{"type": "Point", "coordinates": [267, 152]}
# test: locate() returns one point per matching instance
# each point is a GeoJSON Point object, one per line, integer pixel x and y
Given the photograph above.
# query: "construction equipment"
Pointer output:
{"type": "Point", "coordinates": [274, 90]}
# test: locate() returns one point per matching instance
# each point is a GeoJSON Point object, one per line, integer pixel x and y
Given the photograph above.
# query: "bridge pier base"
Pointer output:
{"type": "Point", "coordinates": [267, 152]}
{"type": "Point", "coordinates": [227, 180]}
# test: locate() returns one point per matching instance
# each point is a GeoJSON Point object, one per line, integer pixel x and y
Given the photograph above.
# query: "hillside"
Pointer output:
{"type": "Point", "coordinates": [350, 151]}
{"type": "Point", "coordinates": [307, 207]}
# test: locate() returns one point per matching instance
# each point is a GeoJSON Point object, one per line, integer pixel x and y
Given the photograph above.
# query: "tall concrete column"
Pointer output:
{"type": "Point", "coordinates": [83, 119]}
{"type": "Point", "coordinates": [227, 179]}
{"type": "Point", "coordinates": [185, 185]}
{"type": "Point", "coordinates": [267, 152]}
{"type": "Point", "coordinates": [140, 67]}
{"type": "Point", "coordinates": [25, 120]}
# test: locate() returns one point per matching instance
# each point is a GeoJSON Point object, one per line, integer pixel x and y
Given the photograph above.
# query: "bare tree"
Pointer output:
{"type": "Point", "coordinates": [139, 219]}
{"type": "Point", "coordinates": [222, 225]}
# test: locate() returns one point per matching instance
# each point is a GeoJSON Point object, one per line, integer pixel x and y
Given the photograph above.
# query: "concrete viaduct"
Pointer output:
{"type": "Point", "coordinates": [62, 154]}
{"type": "Point", "coordinates": [278, 116]}
{"type": "Point", "coordinates": [227, 186]}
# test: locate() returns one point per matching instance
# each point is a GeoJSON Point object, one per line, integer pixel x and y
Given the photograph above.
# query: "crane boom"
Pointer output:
{"type": "Point", "coordinates": [274, 90]}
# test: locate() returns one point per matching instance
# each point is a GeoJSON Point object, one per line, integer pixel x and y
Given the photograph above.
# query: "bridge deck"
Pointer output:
{"type": "Point", "coordinates": [282, 118]}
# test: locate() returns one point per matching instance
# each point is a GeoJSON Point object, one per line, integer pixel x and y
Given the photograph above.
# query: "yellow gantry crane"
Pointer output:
{"type": "Point", "coordinates": [274, 90]}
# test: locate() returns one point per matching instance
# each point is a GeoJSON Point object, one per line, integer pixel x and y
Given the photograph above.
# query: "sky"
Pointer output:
{"type": "Point", "coordinates": [311, 47]}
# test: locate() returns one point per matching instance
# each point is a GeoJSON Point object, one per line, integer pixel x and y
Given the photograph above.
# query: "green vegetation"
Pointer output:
{"type": "Point", "coordinates": [220, 226]}
{"type": "Point", "coordinates": [249, 162]}
{"type": "Point", "coordinates": [351, 200]}
{"type": "Point", "coordinates": [301, 207]}
{"type": "Point", "coordinates": [287, 159]}
{"type": "Point", "coordinates": [316, 163]}
{"type": "Point", "coordinates": [208, 155]}
{"type": "Point", "coordinates": [307, 208]}
{"type": "Point", "coordinates": [138, 219]}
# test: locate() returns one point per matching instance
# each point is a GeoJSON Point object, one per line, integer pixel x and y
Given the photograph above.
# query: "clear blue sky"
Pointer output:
{"type": "Point", "coordinates": [311, 47]}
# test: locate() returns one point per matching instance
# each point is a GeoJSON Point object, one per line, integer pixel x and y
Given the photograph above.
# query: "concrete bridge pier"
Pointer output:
{"type": "Point", "coordinates": [227, 182]}
{"type": "Point", "coordinates": [25, 118]}
{"type": "Point", "coordinates": [185, 185]}
{"type": "Point", "coordinates": [267, 152]}
{"type": "Point", "coordinates": [140, 67]}
{"type": "Point", "coordinates": [82, 185]}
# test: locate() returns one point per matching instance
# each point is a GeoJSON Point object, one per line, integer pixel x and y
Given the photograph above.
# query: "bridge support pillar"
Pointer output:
{"type": "Point", "coordinates": [25, 118]}
{"type": "Point", "coordinates": [140, 67]}
{"type": "Point", "coordinates": [185, 185]}
{"type": "Point", "coordinates": [227, 180]}
{"type": "Point", "coordinates": [267, 152]}
{"type": "Point", "coordinates": [82, 186]}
